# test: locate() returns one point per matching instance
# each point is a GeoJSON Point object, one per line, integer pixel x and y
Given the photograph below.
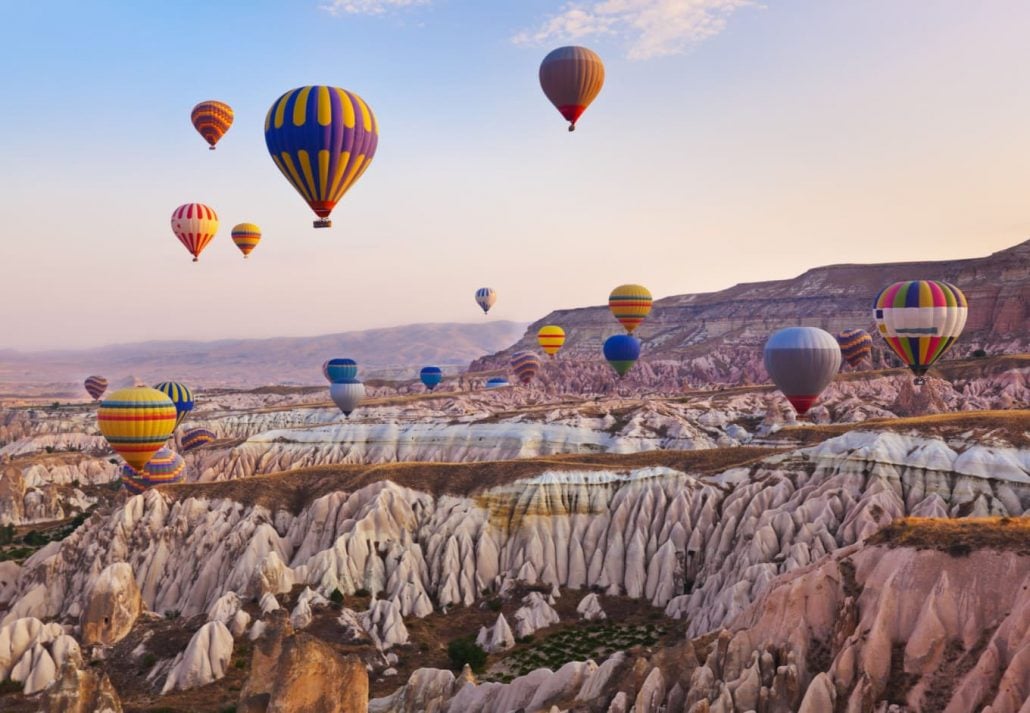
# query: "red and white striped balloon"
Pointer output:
{"type": "Point", "coordinates": [195, 225]}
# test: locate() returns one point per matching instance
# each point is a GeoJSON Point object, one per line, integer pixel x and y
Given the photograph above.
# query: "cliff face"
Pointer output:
{"type": "Point", "coordinates": [717, 337]}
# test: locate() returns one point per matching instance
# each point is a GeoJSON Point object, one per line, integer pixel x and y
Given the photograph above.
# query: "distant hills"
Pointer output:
{"type": "Point", "coordinates": [717, 337]}
{"type": "Point", "coordinates": [395, 352]}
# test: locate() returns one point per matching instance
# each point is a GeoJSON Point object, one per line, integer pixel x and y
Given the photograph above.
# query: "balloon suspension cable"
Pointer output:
{"type": "Point", "coordinates": [323, 223]}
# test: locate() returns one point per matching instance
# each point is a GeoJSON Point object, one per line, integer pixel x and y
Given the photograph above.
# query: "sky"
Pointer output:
{"type": "Point", "coordinates": [733, 142]}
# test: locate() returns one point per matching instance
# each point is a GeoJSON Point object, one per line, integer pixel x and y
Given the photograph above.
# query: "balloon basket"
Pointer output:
{"type": "Point", "coordinates": [572, 127]}
{"type": "Point", "coordinates": [323, 223]}
{"type": "Point", "coordinates": [210, 148]}
{"type": "Point", "coordinates": [919, 381]}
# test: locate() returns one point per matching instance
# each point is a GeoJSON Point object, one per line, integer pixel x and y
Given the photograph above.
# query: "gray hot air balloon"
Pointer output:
{"type": "Point", "coordinates": [347, 395]}
{"type": "Point", "coordinates": [801, 362]}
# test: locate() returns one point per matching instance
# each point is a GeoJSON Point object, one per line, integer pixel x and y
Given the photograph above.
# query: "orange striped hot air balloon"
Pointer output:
{"type": "Point", "coordinates": [630, 304]}
{"type": "Point", "coordinates": [136, 422]}
{"type": "Point", "coordinates": [551, 337]}
{"type": "Point", "coordinates": [195, 225]}
{"type": "Point", "coordinates": [572, 77]}
{"type": "Point", "coordinates": [246, 236]}
{"type": "Point", "coordinates": [211, 119]}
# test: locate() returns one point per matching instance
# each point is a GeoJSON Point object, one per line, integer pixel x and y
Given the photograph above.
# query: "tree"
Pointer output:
{"type": "Point", "coordinates": [466, 651]}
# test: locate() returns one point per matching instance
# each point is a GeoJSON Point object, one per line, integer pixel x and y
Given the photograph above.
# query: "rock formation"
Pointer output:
{"type": "Point", "coordinates": [112, 606]}
{"type": "Point", "coordinates": [204, 660]}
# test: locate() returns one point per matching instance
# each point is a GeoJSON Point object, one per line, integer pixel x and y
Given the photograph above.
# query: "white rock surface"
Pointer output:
{"type": "Point", "coordinates": [589, 608]}
{"type": "Point", "coordinates": [497, 637]}
{"type": "Point", "coordinates": [205, 659]}
{"type": "Point", "coordinates": [535, 613]}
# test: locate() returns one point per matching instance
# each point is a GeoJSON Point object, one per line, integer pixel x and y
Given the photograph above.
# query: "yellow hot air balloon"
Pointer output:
{"type": "Point", "coordinates": [551, 337]}
{"type": "Point", "coordinates": [136, 422]}
{"type": "Point", "coordinates": [630, 304]}
{"type": "Point", "coordinates": [246, 236]}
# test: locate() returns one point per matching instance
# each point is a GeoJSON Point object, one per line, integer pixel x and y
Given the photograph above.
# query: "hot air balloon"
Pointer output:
{"type": "Point", "coordinates": [322, 139]}
{"type": "Point", "coordinates": [195, 438]}
{"type": "Point", "coordinates": [802, 361]}
{"type": "Point", "coordinates": [165, 467]}
{"type": "Point", "coordinates": [347, 395]}
{"type": "Point", "coordinates": [855, 345]}
{"type": "Point", "coordinates": [180, 395]}
{"type": "Point", "coordinates": [485, 298]}
{"type": "Point", "coordinates": [96, 386]}
{"type": "Point", "coordinates": [630, 304]}
{"type": "Point", "coordinates": [497, 382]}
{"type": "Point", "coordinates": [246, 236]}
{"type": "Point", "coordinates": [571, 77]}
{"type": "Point", "coordinates": [920, 320]}
{"type": "Point", "coordinates": [622, 352]}
{"type": "Point", "coordinates": [194, 224]}
{"type": "Point", "coordinates": [431, 376]}
{"type": "Point", "coordinates": [136, 422]}
{"type": "Point", "coordinates": [339, 371]}
{"type": "Point", "coordinates": [551, 337]}
{"type": "Point", "coordinates": [211, 119]}
{"type": "Point", "coordinates": [525, 365]}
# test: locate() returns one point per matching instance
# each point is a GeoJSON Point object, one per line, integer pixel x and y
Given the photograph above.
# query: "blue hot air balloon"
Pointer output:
{"type": "Point", "coordinates": [497, 382]}
{"type": "Point", "coordinates": [622, 352]}
{"type": "Point", "coordinates": [340, 371]}
{"type": "Point", "coordinates": [431, 376]}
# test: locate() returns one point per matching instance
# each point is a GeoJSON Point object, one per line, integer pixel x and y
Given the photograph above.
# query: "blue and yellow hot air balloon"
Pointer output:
{"type": "Point", "coordinates": [431, 376]}
{"type": "Point", "coordinates": [630, 304]}
{"type": "Point", "coordinates": [525, 365]}
{"type": "Point", "coordinates": [855, 345]}
{"type": "Point", "coordinates": [165, 467]}
{"type": "Point", "coordinates": [920, 320]}
{"type": "Point", "coordinates": [322, 139]}
{"type": "Point", "coordinates": [136, 422]}
{"type": "Point", "coordinates": [196, 438]}
{"type": "Point", "coordinates": [622, 352]}
{"type": "Point", "coordinates": [180, 395]}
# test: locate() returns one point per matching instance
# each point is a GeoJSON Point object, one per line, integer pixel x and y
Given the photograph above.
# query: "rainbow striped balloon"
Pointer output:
{"type": "Point", "coordinates": [551, 337]}
{"type": "Point", "coordinates": [180, 395]}
{"type": "Point", "coordinates": [630, 304]}
{"type": "Point", "coordinates": [165, 467]}
{"type": "Point", "coordinates": [96, 386]}
{"type": "Point", "coordinates": [246, 236]}
{"type": "Point", "coordinates": [195, 438]}
{"type": "Point", "coordinates": [855, 345]}
{"type": "Point", "coordinates": [211, 119]}
{"type": "Point", "coordinates": [322, 139]}
{"type": "Point", "coordinates": [195, 225]}
{"type": "Point", "coordinates": [525, 365]}
{"type": "Point", "coordinates": [920, 320]}
{"type": "Point", "coordinates": [136, 422]}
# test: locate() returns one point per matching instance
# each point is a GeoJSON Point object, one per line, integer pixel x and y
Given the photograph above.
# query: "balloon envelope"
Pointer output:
{"type": "Point", "coordinates": [802, 361]}
{"type": "Point", "coordinates": [96, 386]}
{"type": "Point", "coordinates": [485, 298]}
{"type": "Point", "coordinates": [497, 382]}
{"type": "Point", "coordinates": [431, 376]}
{"type": "Point", "coordinates": [630, 304]}
{"type": "Point", "coordinates": [920, 320]}
{"type": "Point", "coordinates": [246, 236]}
{"type": "Point", "coordinates": [622, 352]}
{"type": "Point", "coordinates": [571, 78]}
{"type": "Point", "coordinates": [855, 345]}
{"type": "Point", "coordinates": [195, 225]}
{"type": "Point", "coordinates": [180, 395]}
{"type": "Point", "coordinates": [525, 365]}
{"type": "Point", "coordinates": [322, 139]}
{"type": "Point", "coordinates": [340, 370]}
{"type": "Point", "coordinates": [195, 438]}
{"type": "Point", "coordinates": [347, 395]}
{"type": "Point", "coordinates": [211, 119]}
{"type": "Point", "coordinates": [551, 337]}
{"type": "Point", "coordinates": [166, 466]}
{"type": "Point", "coordinates": [136, 422]}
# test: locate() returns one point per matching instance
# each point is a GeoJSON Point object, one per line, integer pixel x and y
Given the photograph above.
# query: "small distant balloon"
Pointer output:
{"type": "Point", "coordinates": [136, 423]}
{"type": "Point", "coordinates": [630, 304]}
{"type": "Point", "coordinates": [196, 438]}
{"type": "Point", "coordinates": [920, 320]}
{"type": "Point", "coordinates": [431, 376]}
{"type": "Point", "coordinates": [165, 467]}
{"type": "Point", "coordinates": [485, 298]}
{"type": "Point", "coordinates": [855, 345]}
{"type": "Point", "coordinates": [622, 352]}
{"type": "Point", "coordinates": [195, 225]}
{"type": "Point", "coordinates": [497, 382]}
{"type": "Point", "coordinates": [246, 236]}
{"type": "Point", "coordinates": [551, 337]}
{"type": "Point", "coordinates": [802, 361]}
{"type": "Point", "coordinates": [340, 370]}
{"type": "Point", "coordinates": [525, 365]}
{"type": "Point", "coordinates": [96, 386]}
{"type": "Point", "coordinates": [211, 119]}
{"type": "Point", "coordinates": [571, 78]}
{"type": "Point", "coordinates": [180, 395]}
{"type": "Point", "coordinates": [347, 395]}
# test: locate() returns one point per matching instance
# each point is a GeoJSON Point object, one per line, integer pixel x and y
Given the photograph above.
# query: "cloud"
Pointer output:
{"type": "Point", "coordinates": [653, 28]}
{"type": "Point", "coordinates": [368, 7]}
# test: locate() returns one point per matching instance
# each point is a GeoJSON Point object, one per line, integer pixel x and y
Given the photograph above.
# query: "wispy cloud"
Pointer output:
{"type": "Point", "coordinates": [368, 7]}
{"type": "Point", "coordinates": [652, 28]}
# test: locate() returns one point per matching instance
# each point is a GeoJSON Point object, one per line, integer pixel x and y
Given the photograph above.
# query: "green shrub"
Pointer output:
{"type": "Point", "coordinates": [148, 661]}
{"type": "Point", "coordinates": [336, 597]}
{"type": "Point", "coordinates": [466, 651]}
{"type": "Point", "coordinates": [495, 604]}
{"type": "Point", "coordinates": [979, 353]}
{"type": "Point", "coordinates": [362, 593]}
{"type": "Point", "coordinates": [171, 614]}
